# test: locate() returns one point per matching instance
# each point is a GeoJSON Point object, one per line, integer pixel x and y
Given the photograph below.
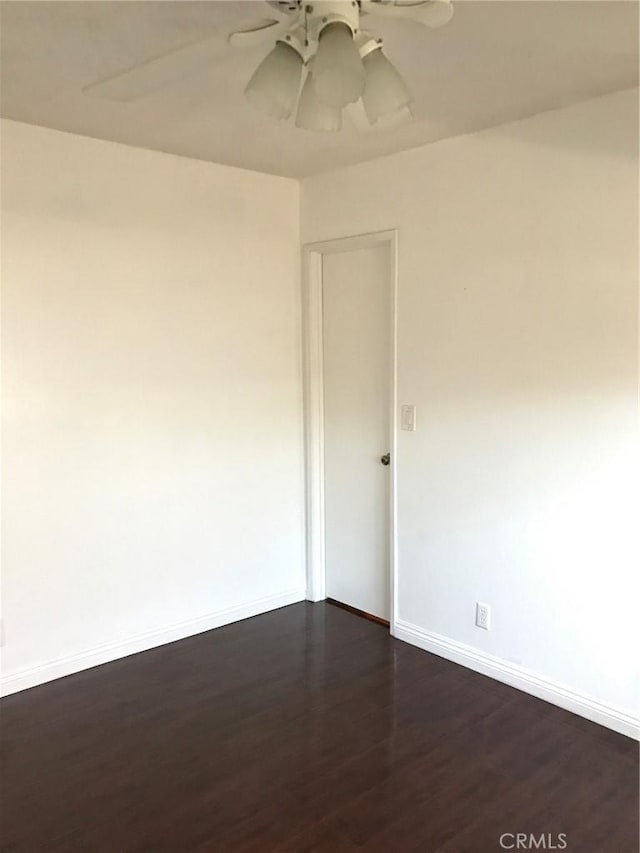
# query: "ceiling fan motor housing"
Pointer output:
{"type": "Point", "coordinates": [304, 34]}
{"type": "Point", "coordinates": [341, 7]}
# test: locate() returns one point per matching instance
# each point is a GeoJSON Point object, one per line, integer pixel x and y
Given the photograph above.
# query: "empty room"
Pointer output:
{"type": "Point", "coordinates": [320, 437]}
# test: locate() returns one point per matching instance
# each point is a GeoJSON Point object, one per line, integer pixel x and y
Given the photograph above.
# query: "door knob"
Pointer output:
{"type": "Point", "coordinates": [386, 459]}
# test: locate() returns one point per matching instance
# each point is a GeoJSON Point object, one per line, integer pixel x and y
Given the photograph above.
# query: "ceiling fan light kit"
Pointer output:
{"type": "Point", "coordinates": [276, 81]}
{"type": "Point", "coordinates": [342, 62]}
{"type": "Point", "coordinates": [385, 92]}
{"type": "Point", "coordinates": [313, 114]}
{"type": "Point", "coordinates": [338, 71]}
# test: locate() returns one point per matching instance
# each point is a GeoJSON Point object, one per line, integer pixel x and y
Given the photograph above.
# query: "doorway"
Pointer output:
{"type": "Point", "coordinates": [350, 345]}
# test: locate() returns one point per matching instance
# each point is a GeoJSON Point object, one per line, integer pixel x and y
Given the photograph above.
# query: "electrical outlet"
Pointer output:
{"type": "Point", "coordinates": [483, 615]}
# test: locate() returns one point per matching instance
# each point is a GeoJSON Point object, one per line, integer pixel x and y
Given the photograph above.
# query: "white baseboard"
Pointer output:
{"type": "Point", "coordinates": [105, 652]}
{"type": "Point", "coordinates": [519, 677]}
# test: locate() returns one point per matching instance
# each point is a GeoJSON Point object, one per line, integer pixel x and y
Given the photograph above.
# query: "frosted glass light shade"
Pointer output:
{"type": "Point", "coordinates": [273, 89]}
{"type": "Point", "coordinates": [338, 72]}
{"type": "Point", "coordinates": [385, 91]}
{"type": "Point", "coordinates": [313, 114]}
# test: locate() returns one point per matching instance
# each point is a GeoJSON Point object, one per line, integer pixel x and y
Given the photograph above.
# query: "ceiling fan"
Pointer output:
{"type": "Point", "coordinates": [321, 39]}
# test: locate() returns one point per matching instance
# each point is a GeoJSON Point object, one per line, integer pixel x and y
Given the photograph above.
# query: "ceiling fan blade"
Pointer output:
{"type": "Point", "coordinates": [260, 33]}
{"type": "Point", "coordinates": [157, 72]}
{"type": "Point", "coordinates": [431, 13]}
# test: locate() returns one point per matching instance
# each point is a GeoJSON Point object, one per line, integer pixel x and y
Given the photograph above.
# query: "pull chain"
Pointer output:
{"type": "Point", "coordinates": [307, 9]}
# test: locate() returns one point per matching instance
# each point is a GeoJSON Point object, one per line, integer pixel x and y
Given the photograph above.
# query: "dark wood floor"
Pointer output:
{"type": "Point", "coordinates": [306, 729]}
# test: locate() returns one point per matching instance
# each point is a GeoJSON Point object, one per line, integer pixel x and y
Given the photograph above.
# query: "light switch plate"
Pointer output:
{"type": "Point", "coordinates": [408, 418]}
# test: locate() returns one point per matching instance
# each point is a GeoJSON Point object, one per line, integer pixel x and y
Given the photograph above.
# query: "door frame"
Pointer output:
{"type": "Point", "coordinates": [312, 254]}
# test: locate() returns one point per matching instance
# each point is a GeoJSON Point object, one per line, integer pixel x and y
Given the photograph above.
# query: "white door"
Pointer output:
{"type": "Point", "coordinates": [356, 309]}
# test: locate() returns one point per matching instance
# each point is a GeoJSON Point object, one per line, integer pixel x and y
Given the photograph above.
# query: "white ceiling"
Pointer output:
{"type": "Point", "coordinates": [493, 63]}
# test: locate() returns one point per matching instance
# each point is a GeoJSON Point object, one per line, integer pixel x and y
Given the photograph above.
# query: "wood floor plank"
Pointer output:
{"type": "Point", "coordinates": [304, 730]}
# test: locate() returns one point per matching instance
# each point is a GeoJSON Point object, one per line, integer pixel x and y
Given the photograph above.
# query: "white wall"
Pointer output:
{"type": "Point", "coordinates": [518, 343]}
{"type": "Point", "coordinates": [152, 439]}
